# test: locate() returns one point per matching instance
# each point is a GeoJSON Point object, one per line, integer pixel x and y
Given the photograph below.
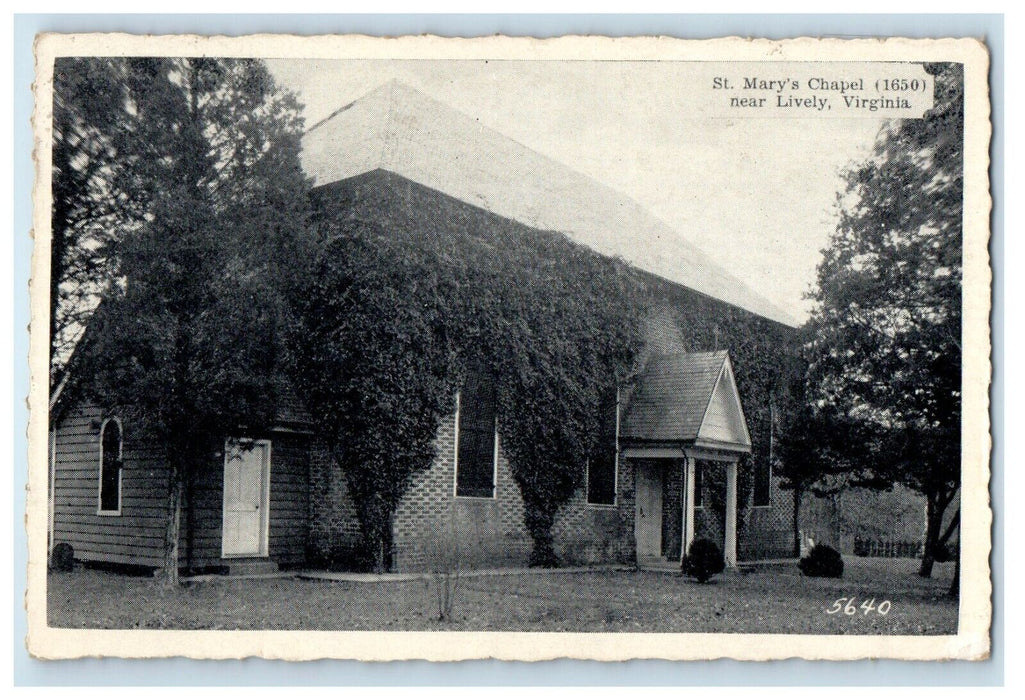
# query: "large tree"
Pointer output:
{"type": "Point", "coordinates": [886, 332]}
{"type": "Point", "coordinates": [90, 207]}
{"type": "Point", "coordinates": [185, 341]}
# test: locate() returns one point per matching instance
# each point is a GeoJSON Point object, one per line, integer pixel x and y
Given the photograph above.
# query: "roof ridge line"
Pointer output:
{"type": "Point", "coordinates": [748, 299]}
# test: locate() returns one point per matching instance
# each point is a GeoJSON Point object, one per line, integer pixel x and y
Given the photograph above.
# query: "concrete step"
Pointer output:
{"type": "Point", "coordinates": [250, 567]}
{"type": "Point", "coordinates": [660, 565]}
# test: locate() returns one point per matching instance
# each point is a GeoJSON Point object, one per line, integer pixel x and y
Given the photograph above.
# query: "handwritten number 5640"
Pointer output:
{"type": "Point", "coordinates": [849, 606]}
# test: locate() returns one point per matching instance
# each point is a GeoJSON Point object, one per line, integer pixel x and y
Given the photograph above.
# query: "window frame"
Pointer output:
{"type": "Point", "coordinates": [455, 458]}
{"type": "Point", "coordinates": [615, 471]}
{"type": "Point", "coordinates": [120, 472]}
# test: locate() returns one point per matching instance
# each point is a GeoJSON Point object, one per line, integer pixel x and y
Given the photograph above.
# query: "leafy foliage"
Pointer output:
{"type": "Point", "coordinates": [185, 343]}
{"type": "Point", "coordinates": [575, 336]}
{"type": "Point", "coordinates": [703, 561]}
{"type": "Point", "coordinates": [822, 561]}
{"type": "Point", "coordinates": [88, 209]}
{"type": "Point", "coordinates": [885, 343]}
{"type": "Point", "coordinates": [371, 355]}
{"type": "Point", "coordinates": [819, 449]}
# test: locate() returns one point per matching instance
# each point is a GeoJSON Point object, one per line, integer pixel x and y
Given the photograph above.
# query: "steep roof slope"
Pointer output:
{"type": "Point", "coordinates": [687, 397]}
{"type": "Point", "coordinates": [400, 129]}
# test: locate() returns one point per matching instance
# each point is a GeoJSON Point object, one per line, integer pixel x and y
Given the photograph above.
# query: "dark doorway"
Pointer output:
{"type": "Point", "coordinates": [672, 509]}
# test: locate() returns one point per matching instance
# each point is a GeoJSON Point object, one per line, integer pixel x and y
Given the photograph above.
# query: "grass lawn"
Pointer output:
{"type": "Point", "coordinates": [775, 599]}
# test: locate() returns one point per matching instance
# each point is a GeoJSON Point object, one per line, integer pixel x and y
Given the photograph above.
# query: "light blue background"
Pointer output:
{"type": "Point", "coordinates": [29, 671]}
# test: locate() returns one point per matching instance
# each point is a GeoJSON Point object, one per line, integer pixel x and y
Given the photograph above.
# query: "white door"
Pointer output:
{"type": "Point", "coordinates": [246, 498]}
{"type": "Point", "coordinates": [648, 526]}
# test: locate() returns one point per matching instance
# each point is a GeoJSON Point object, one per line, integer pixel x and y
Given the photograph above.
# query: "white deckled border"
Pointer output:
{"type": "Point", "coordinates": [971, 642]}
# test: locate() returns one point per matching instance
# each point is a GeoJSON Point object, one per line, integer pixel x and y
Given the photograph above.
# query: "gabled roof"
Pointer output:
{"type": "Point", "coordinates": [399, 129]}
{"type": "Point", "coordinates": [687, 398]}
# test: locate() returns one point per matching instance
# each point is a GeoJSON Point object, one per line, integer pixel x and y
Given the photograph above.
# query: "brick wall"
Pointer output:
{"type": "Point", "coordinates": [767, 531]}
{"type": "Point", "coordinates": [763, 532]}
{"type": "Point", "coordinates": [334, 527]}
{"type": "Point", "coordinates": [594, 534]}
{"type": "Point", "coordinates": [435, 529]}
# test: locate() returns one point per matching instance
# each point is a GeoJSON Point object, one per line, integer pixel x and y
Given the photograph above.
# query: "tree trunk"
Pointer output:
{"type": "Point", "coordinates": [955, 584]}
{"type": "Point", "coordinates": [838, 520]}
{"type": "Point", "coordinates": [175, 491]}
{"type": "Point", "coordinates": [543, 552]}
{"type": "Point", "coordinates": [539, 520]}
{"type": "Point", "coordinates": [933, 522]}
{"type": "Point", "coordinates": [384, 562]}
{"type": "Point", "coordinates": [797, 521]}
{"type": "Point", "coordinates": [375, 521]}
{"type": "Point", "coordinates": [190, 525]}
{"type": "Point", "coordinates": [955, 522]}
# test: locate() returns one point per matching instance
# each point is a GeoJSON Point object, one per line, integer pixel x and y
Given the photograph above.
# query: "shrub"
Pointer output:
{"type": "Point", "coordinates": [943, 552]}
{"type": "Point", "coordinates": [823, 561]}
{"type": "Point", "coordinates": [346, 555]}
{"type": "Point", "coordinates": [63, 557]}
{"type": "Point", "coordinates": [443, 558]}
{"type": "Point", "coordinates": [703, 561]}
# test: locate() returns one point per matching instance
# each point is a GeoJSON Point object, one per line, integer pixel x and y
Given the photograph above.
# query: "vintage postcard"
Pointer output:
{"type": "Point", "coordinates": [426, 348]}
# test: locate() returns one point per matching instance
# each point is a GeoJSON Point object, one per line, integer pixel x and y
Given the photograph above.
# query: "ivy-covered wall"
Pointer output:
{"type": "Point", "coordinates": [672, 318]}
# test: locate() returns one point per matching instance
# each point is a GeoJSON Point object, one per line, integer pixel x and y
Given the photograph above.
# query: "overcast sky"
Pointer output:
{"type": "Point", "coordinates": [755, 194]}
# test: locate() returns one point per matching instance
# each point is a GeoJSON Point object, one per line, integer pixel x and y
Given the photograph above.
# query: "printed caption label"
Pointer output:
{"type": "Point", "coordinates": [820, 90]}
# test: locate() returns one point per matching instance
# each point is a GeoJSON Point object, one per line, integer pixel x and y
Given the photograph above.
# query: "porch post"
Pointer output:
{"type": "Point", "coordinates": [730, 541]}
{"type": "Point", "coordinates": [688, 507]}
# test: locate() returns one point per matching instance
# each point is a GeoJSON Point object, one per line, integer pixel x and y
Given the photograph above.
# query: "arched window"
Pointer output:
{"type": "Point", "coordinates": [110, 467]}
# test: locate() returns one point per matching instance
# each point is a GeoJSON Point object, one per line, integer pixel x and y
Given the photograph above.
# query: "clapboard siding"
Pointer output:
{"type": "Point", "coordinates": [204, 519]}
{"type": "Point", "coordinates": [135, 536]}
{"type": "Point", "coordinates": [289, 495]}
{"type": "Point", "coordinates": [104, 555]}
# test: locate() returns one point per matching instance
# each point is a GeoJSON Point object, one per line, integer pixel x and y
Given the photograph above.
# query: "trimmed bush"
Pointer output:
{"type": "Point", "coordinates": [63, 557]}
{"type": "Point", "coordinates": [822, 561]}
{"type": "Point", "coordinates": [703, 561]}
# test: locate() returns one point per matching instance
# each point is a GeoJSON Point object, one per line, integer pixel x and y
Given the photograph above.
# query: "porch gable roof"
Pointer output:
{"type": "Point", "coordinates": [687, 398]}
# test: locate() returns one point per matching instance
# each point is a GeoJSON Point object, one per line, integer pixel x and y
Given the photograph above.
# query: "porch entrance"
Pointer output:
{"type": "Point", "coordinates": [665, 499]}
{"type": "Point", "coordinates": [685, 407]}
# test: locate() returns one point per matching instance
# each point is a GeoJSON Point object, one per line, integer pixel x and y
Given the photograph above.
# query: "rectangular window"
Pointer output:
{"type": "Point", "coordinates": [475, 457]}
{"type": "Point", "coordinates": [762, 478]}
{"type": "Point", "coordinates": [699, 500]}
{"type": "Point", "coordinates": [602, 462]}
